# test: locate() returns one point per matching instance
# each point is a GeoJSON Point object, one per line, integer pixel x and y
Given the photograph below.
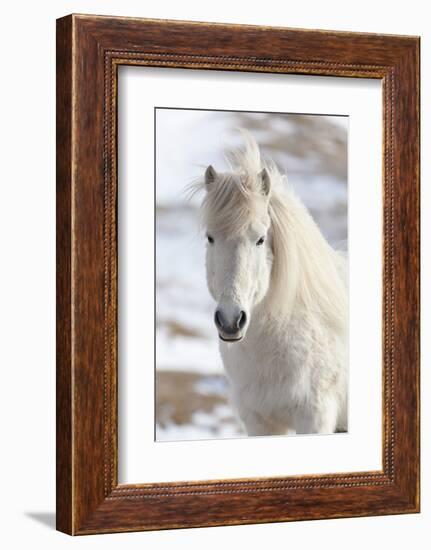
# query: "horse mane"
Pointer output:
{"type": "Point", "coordinates": [306, 272]}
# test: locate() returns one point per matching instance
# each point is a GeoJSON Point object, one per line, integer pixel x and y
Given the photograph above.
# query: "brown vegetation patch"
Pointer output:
{"type": "Point", "coordinates": [177, 397]}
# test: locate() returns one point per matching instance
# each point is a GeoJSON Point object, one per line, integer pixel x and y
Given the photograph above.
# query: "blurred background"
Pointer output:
{"type": "Point", "coordinates": [191, 390]}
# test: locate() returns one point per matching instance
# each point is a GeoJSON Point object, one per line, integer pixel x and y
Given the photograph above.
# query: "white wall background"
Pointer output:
{"type": "Point", "coordinates": [27, 280]}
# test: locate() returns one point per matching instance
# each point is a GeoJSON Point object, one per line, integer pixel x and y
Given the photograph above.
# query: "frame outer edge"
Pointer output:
{"type": "Point", "coordinates": [64, 300]}
{"type": "Point", "coordinates": [407, 279]}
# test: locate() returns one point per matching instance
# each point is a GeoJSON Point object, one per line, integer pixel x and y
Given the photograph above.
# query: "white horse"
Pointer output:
{"type": "Point", "coordinates": [281, 300]}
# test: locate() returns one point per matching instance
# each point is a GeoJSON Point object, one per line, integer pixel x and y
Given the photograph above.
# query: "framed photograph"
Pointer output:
{"type": "Point", "coordinates": [237, 274]}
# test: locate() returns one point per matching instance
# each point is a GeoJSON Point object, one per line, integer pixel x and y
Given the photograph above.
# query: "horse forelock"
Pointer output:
{"type": "Point", "coordinates": [233, 204]}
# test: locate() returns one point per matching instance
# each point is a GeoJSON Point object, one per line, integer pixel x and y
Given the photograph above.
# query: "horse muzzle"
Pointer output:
{"type": "Point", "coordinates": [231, 328]}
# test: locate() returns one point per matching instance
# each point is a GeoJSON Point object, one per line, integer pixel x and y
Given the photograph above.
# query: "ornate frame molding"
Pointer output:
{"type": "Point", "coordinates": [89, 498]}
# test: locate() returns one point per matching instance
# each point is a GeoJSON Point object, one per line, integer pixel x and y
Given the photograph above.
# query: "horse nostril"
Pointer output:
{"type": "Point", "coordinates": [242, 319]}
{"type": "Point", "coordinates": [227, 327]}
{"type": "Point", "coordinates": [218, 319]}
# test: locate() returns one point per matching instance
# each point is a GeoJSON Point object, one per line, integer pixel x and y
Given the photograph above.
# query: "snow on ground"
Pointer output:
{"type": "Point", "coordinates": [202, 425]}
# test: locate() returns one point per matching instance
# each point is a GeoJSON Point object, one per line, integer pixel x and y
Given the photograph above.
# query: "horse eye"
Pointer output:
{"type": "Point", "coordinates": [210, 239]}
{"type": "Point", "coordinates": [260, 241]}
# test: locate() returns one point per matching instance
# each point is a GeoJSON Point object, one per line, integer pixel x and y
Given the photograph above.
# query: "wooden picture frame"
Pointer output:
{"type": "Point", "coordinates": [89, 52]}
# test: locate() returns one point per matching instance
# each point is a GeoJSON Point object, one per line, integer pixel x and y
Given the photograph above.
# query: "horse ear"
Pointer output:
{"type": "Point", "coordinates": [210, 175]}
{"type": "Point", "coordinates": [265, 181]}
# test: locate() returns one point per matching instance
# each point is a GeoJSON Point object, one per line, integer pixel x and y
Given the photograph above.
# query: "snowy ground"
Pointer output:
{"type": "Point", "coordinates": [191, 390]}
